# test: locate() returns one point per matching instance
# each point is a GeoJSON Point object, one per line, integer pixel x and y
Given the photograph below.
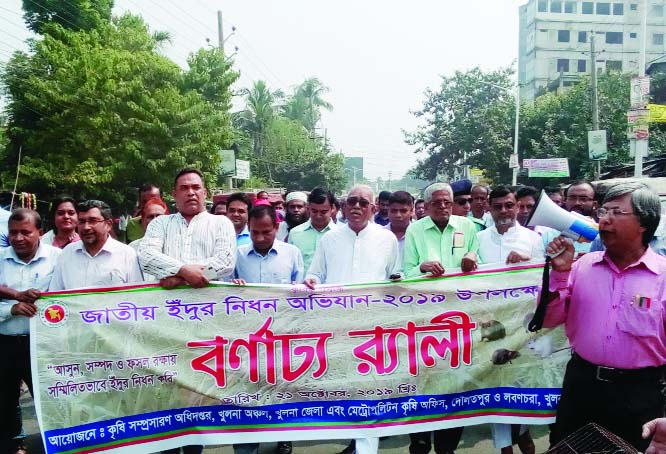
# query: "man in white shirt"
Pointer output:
{"type": "Point", "coordinates": [400, 211]}
{"type": "Point", "coordinates": [97, 260]}
{"type": "Point", "coordinates": [192, 246]}
{"type": "Point", "coordinates": [297, 213]}
{"type": "Point", "coordinates": [359, 251]}
{"type": "Point", "coordinates": [26, 268]}
{"type": "Point", "coordinates": [507, 241]}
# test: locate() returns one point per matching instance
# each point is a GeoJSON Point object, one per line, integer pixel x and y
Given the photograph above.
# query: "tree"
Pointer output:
{"type": "Point", "coordinates": [99, 112]}
{"type": "Point", "coordinates": [466, 122]}
{"type": "Point", "coordinates": [71, 14]}
{"type": "Point", "coordinates": [306, 103]}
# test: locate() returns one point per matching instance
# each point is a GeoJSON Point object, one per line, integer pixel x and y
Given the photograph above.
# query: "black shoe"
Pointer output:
{"type": "Point", "coordinates": [283, 447]}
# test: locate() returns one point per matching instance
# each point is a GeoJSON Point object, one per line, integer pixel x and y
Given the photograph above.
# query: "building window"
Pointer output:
{"type": "Point", "coordinates": [582, 66]}
{"type": "Point", "coordinates": [633, 7]}
{"type": "Point", "coordinates": [613, 65]}
{"type": "Point", "coordinates": [588, 8]}
{"type": "Point", "coordinates": [603, 9]}
{"type": "Point", "coordinates": [563, 36]}
{"type": "Point", "coordinates": [657, 11]}
{"type": "Point", "coordinates": [618, 9]}
{"type": "Point", "coordinates": [632, 35]}
{"type": "Point", "coordinates": [543, 6]}
{"type": "Point", "coordinates": [562, 65]}
{"type": "Point", "coordinates": [614, 38]}
{"type": "Point", "coordinates": [658, 39]}
{"type": "Point", "coordinates": [570, 7]}
{"type": "Point", "coordinates": [567, 83]}
{"type": "Point", "coordinates": [555, 6]}
{"type": "Point", "coordinates": [582, 37]}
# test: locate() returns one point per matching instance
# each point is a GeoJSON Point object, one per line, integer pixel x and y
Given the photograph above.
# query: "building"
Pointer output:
{"type": "Point", "coordinates": [554, 40]}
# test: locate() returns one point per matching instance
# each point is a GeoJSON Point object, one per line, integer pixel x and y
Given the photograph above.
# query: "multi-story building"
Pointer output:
{"type": "Point", "coordinates": [554, 42]}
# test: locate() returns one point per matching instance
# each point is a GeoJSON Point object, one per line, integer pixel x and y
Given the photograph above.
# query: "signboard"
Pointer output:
{"type": "Point", "coordinates": [227, 163]}
{"type": "Point", "coordinates": [242, 169]}
{"type": "Point", "coordinates": [640, 92]}
{"type": "Point", "coordinates": [513, 161]}
{"type": "Point", "coordinates": [657, 113]}
{"type": "Point", "coordinates": [596, 145]}
{"type": "Point", "coordinates": [140, 369]}
{"type": "Point", "coordinates": [542, 168]}
{"type": "Point", "coordinates": [638, 124]}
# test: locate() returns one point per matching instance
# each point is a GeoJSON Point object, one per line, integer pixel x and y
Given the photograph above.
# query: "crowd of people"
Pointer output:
{"type": "Point", "coordinates": [609, 294]}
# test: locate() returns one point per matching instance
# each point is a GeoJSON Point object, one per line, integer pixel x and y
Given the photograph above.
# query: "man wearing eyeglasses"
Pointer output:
{"type": "Point", "coordinates": [612, 306]}
{"type": "Point", "coordinates": [355, 252]}
{"type": "Point", "coordinates": [97, 260]}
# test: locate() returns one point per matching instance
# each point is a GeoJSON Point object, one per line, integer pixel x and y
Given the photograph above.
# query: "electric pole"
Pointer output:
{"type": "Point", "coordinates": [595, 95]}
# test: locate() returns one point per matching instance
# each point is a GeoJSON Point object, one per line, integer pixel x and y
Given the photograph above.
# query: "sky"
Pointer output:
{"type": "Point", "coordinates": [376, 57]}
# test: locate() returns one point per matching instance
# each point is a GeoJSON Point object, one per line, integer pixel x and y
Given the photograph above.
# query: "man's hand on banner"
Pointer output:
{"type": "Point", "coordinates": [433, 267]}
{"type": "Point", "coordinates": [515, 257]}
{"type": "Point", "coordinates": [194, 275]}
{"type": "Point", "coordinates": [25, 309]}
{"type": "Point", "coordinates": [29, 296]}
{"type": "Point", "coordinates": [310, 283]}
{"type": "Point", "coordinates": [561, 250]}
{"type": "Point", "coordinates": [468, 262]}
{"type": "Point", "coordinates": [239, 281]}
{"type": "Point", "coordinates": [172, 282]}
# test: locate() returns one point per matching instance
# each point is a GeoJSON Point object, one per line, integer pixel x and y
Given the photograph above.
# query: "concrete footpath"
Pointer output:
{"type": "Point", "coordinates": [475, 440]}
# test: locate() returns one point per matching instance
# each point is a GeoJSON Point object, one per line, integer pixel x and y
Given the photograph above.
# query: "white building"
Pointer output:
{"type": "Point", "coordinates": [554, 42]}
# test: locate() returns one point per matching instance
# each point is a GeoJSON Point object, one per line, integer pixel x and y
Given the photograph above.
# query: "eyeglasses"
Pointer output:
{"type": "Point", "coordinates": [93, 222]}
{"type": "Point", "coordinates": [353, 201]}
{"type": "Point", "coordinates": [463, 202]}
{"type": "Point", "coordinates": [581, 199]}
{"type": "Point", "coordinates": [444, 203]}
{"type": "Point", "coordinates": [612, 212]}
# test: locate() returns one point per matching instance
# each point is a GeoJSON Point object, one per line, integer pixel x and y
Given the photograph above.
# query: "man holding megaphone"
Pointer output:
{"type": "Point", "coordinates": [612, 305]}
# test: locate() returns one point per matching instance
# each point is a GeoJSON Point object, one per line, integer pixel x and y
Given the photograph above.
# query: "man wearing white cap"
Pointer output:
{"type": "Point", "coordinates": [297, 213]}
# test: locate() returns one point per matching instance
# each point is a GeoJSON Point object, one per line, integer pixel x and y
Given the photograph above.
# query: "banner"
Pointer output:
{"type": "Point", "coordinates": [657, 113]}
{"type": "Point", "coordinates": [551, 167]}
{"type": "Point", "coordinates": [140, 369]}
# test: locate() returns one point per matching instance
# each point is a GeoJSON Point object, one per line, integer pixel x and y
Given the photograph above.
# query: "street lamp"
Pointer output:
{"type": "Point", "coordinates": [513, 161]}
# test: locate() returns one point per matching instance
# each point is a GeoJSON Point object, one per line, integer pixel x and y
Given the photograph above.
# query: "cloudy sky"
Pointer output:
{"type": "Point", "coordinates": [376, 57]}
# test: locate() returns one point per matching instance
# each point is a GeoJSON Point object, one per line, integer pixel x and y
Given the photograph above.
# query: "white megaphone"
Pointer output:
{"type": "Point", "coordinates": [570, 224]}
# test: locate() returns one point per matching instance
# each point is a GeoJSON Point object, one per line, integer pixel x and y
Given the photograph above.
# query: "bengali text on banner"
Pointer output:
{"type": "Point", "coordinates": [140, 369]}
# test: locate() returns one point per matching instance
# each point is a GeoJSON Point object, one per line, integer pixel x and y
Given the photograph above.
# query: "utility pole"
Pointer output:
{"type": "Point", "coordinates": [640, 145]}
{"type": "Point", "coordinates": [220, 43]}
{"type": "Point", "coordinates": [595, 95]}
{"type": "Point", "coordinates": [220, 34]}
{"type": "Point", "coordinates": [389, 182]}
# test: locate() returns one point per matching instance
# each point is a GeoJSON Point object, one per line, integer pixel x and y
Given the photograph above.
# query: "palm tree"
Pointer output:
{"type": "Point", "coordinates": [260, 109]}
{"type": "Point", "coordinates": [306, 103]}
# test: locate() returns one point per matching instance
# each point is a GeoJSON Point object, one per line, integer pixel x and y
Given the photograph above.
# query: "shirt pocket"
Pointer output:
{"type": "Point", "coordinates": [640, 321]}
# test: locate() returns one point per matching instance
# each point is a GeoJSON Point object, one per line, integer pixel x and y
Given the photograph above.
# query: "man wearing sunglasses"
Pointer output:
{"type": "Point", "coordinates": [612, 306]}
{"type": "Point", "coordinates": [355, 252]}
{"type": "Point", "coordinates": [462, 202]}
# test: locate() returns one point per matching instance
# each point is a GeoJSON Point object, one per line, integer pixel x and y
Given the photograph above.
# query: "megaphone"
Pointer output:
{"type": "Point", "coordinates": [570, 224]}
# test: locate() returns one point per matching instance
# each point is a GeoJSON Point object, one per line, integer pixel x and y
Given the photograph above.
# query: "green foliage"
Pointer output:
{"type": "Point", "coordinates": [99, 112]}
{"type": "Point", "coordinates": [466, 122]}
{"type": "Point", "coordinates": [70, 14]}
{"type": "Point", "coordinates": [469, 122]}
{"type": "Point", "coordinates": [282, 149]}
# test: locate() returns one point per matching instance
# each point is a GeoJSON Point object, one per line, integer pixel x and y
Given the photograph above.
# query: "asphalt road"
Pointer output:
{"type": "Point", "coordinates": [475, 439]}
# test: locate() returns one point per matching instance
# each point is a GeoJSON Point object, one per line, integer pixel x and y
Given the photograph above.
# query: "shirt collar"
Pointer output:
{"type": "Point", "coordinates": [244, 232]}
{"type": "Point", "coordinates": [40, 254]}
{"type": "Point", "coordinates": [453, 223]}
{"type": "Point", "coordinates": [308, 225]}
{"type": "Point", "coordinates": [649, 259]}
{"type": "Point", "coordinates": [273, 250]}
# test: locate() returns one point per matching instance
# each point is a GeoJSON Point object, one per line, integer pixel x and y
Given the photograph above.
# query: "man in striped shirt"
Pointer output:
{"type": "Point", "coordinates": [192, 246]}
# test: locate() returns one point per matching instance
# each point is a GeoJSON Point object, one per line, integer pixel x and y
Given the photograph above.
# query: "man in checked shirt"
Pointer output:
{"type": "Point", "coordinates": [190, 247]}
